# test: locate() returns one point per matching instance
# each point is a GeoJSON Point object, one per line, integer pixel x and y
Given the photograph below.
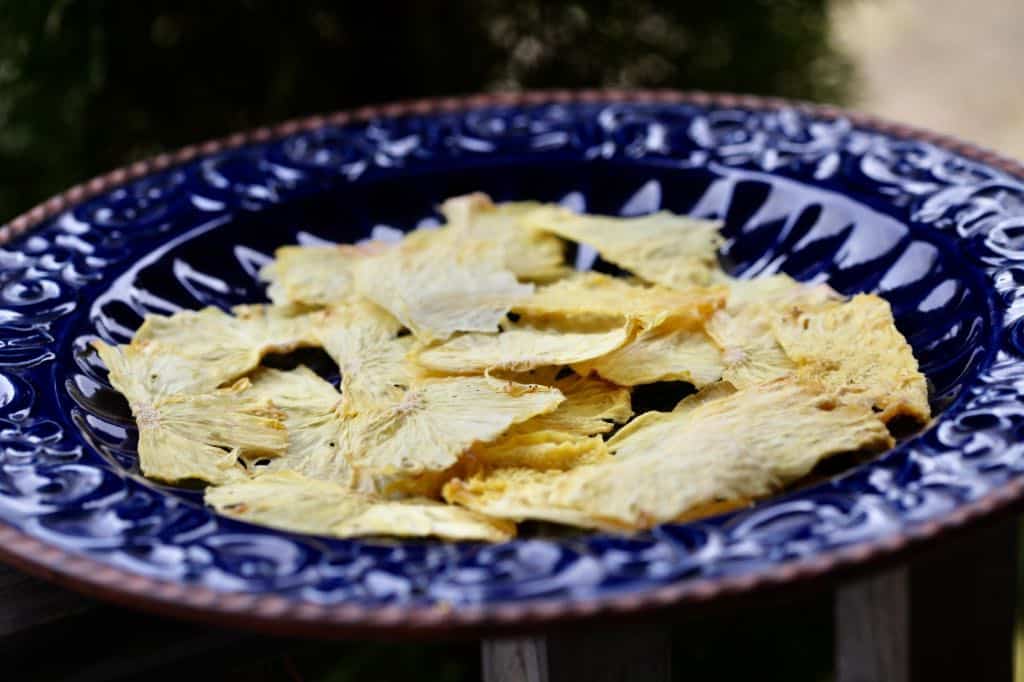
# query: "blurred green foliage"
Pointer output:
{"type": "Point", "coordinates": [86, 85]}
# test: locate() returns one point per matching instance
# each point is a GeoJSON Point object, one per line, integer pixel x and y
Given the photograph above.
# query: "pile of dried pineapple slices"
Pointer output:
{"type": "Point", "coordinates": [484, 382]}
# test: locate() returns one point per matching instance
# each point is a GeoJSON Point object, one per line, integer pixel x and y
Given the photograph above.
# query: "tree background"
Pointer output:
{"type": "Point", "coordinates": [88, 85]}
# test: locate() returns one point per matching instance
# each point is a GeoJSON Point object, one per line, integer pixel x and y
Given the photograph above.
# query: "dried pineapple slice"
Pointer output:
{"type": "Point", "coordinates": [750, 354]}
{"type": "Point", "coordinates": [311, 412]}
{"type": "Point", "coordinates": [416, 518]}
{"type": "Point", "coordinates": [590, 297]}
{"type": "Point", "coordinates": [664, 352]}
{"type": "Point", "coordinates": [566, 436]}
{"type": "Point", "coordinates": [317, 431]}
{"type": "Point", "coordinates": [741, 446]}
{"type": "Point", "coordinates": [290, 501]}
{"type": "Point", "coordinates": [650, 422]}
{"type": "Point", "coordinates": [438, 419]}
{"type": "Point", "coordinates": [192, 436]}
{"type": "Point", "coordinates": [314, 275]}
{"type": "Point", "coordinates": [743, 330]}
{"type": "Point", "coordinates": [540, 449]}
{"type": "Point", "coordinates": [774, 289]}
{"type": "Point", "coordinates": [855, 349]}
{"type": "Point", "coordinates": [195, 351]}
{"type": "Point", "coordinates": [520, 494]}
{"type": "Point", "coordinates": [438, 290]}
{"type": "Point", "coordinates": [675, 251]}
{"type": "Point", "coordinates": [362, 338]}
{"type": "Point", "coordinates": [527, 253]}
{"type": "Point", "coordinates": [591, 405]}
{"type": "Point", "coordinates": [521, 349]}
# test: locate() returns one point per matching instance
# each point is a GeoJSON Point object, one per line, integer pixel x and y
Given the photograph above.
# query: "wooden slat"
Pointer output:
{"type": "Point", "coordinates": [871, 629]}
{"type": "Point", "coordinates": [947, 616]}
{"type": "Point", "coordinates": [622, 653]}
{"type": "Point", "coordinates": [962, 608]}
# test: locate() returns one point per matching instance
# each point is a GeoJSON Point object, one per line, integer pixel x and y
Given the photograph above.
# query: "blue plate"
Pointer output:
{"type": "Point", "coordinates": [935, 227]}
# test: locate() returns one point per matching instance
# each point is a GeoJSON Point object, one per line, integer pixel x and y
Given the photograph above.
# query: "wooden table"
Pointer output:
{"type": "Point", "coordinates": [947, 614]}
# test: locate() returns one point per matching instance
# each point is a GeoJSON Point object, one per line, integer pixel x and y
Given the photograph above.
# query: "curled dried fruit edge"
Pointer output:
{"type": "Point", "coordinates": [484, 382]}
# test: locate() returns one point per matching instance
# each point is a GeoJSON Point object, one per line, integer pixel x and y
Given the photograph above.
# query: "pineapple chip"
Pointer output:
{"type": "Point", "coordinates": [737, 447]}
{"type": "Point", "coordinates": [314, 276]}
{"type": "Point", "coordinates": [529, 254]}
{"type": "Point", "coordinates": [484, 383]}
{"type": "Point", "coordinates": [855, 349]}
{"type": "Point", "coordinates": [521, 349]}
{"type": "Point", "coordinates": [291, 501]}
{"type": "Point", "coordinates": [593, 297]}
{"type": "Point", "coordinates": [663, 248]}
{"type": "Point", "coordinates": [197, 351]}
{"type": "Point", "coordinates": [437, 287]}
{"type": "Point", "coordinates": [568, 435]}
{"type": "Point", "coordinates": [192, 436]}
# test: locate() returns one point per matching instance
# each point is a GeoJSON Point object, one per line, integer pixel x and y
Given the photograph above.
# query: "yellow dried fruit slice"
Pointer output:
{"type": "Point", "coordinates": [437, 290]}
{"type": "Point", "coordinates": [855, 349]}
{"type": "Point", "coordinates": [743, 330]}
{"type": "Point", "coordinates": [520, 494]}
{"type": "Point", "coordinates": [650, 422]}
{"type": "Point", "coordinates": [664, 248]}
{"type": "Point", "coordinates": [591, 405]}
{"type": "Point", "coordinates": [202, 437]}
{"type": "Point", "coordinates": [527, 253]}
{"type": "Point", "coordinates": [197, 351]}
{"type": "Point", "coordinates": [665, 352]}
{"type": "Point", "coordinates": [565, 437]}
{"type": "Point", "coordinates": [540, 449]}
{"type": "Point", "coordinates": [741, 446]}
{"type": "Point", "coordinates": [314, 275]}
{"type": "Point", "coordinates": [750, 354]}
{"type": "Point", "coordinates": [593, 297]}
{"type": "Point", "coordinates": [311, 412]}
{"type": "Point", "coordinates": [521, 349]}
{"type": "Point", "coordinates": [437, 420]}
{"type": "Point", "coordinates": [362, 338]}
{"type": "Point", "coordinates": [290, 501]}
{"type": "Point", "coordinates": [318, 429]}
{"type": "Point", "coordinates": [416, 518]}
{"type": "Point", "coordinates": [774, 289]}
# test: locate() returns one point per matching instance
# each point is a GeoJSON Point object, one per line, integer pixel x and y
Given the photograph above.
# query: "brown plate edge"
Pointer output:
{"type": "Point", "coordinates": [282, 616]}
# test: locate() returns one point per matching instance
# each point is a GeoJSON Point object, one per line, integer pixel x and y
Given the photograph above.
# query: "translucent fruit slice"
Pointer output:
{"type": "Point", "coordinates": [522, 348]}
{"type": "Point", "coordinates": [664, 352]}
{"type": "Point", "coordinates": [668, 249]}
{"type": "Point", "coordinates": [310, 407]}
{"type": "Point", "coordinates": [527, 253]}
{"type": "Point", "coordinates": [314, 275]}
{"type": "Point", "coordinates": [363, 339]}
{"type": "Point", "coordinates": [438, 419]}
{"type": "Point", "coordinates": [197, 351]}
{"type": "Point", "coordinates": [855, 349]}
{"type": "Point", "coordinates": [735, 447]}
{"type": "Point", "coordinates": [593, 297]}
{"type": "Point", "coordinates": [290, 501]}
{"type": "Point", "coordinates": [438, 290]}
{"type": "Point", "coordinates": [202, 437]}
{"type": "Point", "coordinates": [520, 494]}
{"type": "Point", "coordinates": [743, 330]}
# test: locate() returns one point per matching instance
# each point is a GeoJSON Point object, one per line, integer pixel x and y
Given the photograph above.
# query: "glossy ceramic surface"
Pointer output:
{"type": "Point", "coordinates": [938, 234]}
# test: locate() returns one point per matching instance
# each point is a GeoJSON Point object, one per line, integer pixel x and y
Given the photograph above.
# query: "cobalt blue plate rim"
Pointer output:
{"type": "Point", "coordinates": [964, 469]}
